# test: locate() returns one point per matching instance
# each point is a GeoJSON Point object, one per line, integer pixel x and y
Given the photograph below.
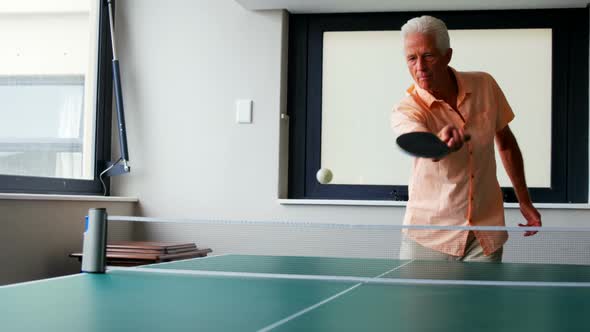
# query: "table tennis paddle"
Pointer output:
{"type": "Point", "coordinates": [424, 145]}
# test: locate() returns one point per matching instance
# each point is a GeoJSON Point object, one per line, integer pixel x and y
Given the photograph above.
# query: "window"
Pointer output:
{"type": "Point", "coordinates": [54, 83]}
{"type": "Point", "coordinates": [346, 72]}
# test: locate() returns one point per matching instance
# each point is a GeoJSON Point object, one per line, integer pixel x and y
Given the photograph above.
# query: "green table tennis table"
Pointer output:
{"type": "Point", "coordinates": [264, 293]}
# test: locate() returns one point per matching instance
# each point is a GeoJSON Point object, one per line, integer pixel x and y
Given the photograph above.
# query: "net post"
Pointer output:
{"type": "Point", "coordinates": [95, 238]}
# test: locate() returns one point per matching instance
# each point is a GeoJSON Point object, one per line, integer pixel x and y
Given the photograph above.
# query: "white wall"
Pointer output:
{"type": "Point", "coordinates": [184, 63]}
{"type": "Point", "coordinates": [183, 66]}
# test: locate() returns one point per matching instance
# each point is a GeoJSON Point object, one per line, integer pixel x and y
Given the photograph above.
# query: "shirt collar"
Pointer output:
{"type": "Point", "coordinates": [427, 99]}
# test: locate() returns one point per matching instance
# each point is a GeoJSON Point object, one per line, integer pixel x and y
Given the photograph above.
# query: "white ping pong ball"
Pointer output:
{"type": "Point", "coordinates": [324, 176]}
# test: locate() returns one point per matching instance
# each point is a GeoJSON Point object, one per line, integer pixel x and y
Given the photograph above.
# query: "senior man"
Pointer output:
{"type": "Point", "coordinates": [469, 112]}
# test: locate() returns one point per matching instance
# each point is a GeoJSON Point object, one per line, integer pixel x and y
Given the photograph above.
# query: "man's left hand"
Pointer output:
{"type": "Point", "coordinates": [532, 216]}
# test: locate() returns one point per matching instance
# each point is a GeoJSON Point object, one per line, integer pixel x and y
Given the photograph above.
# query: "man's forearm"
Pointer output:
{"type": "Point", "coordinates": [514, 165]}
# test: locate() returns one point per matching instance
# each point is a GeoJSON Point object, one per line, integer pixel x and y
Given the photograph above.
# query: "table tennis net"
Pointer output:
{"type": "Point", "coordinates": [553, 254]}
{"type": "Point", "coordinates": [550, 245]}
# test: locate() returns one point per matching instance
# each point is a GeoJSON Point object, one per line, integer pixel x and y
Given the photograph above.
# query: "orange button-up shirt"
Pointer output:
{"type": "Point", "coordinates": [462, 188]}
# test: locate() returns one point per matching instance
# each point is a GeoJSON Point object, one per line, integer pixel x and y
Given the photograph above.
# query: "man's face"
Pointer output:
{"type": "Point", "coordinates": [427, 65]}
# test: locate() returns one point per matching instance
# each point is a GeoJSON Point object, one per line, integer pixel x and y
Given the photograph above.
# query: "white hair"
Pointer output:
{"type": "Point", "coordinates": [428, 25]}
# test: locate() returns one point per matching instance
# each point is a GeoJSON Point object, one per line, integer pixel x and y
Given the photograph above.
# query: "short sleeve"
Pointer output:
{"type": "Point", "coordinates": [406, 118]}
{"type": "Point", "coordinates": [505, 114]}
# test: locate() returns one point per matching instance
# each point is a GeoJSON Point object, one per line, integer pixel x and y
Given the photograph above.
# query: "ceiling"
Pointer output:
{"type": "Point", "coordinates": [335, 6]}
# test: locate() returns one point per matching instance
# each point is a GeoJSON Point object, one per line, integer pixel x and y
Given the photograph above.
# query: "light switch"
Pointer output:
{"type": "Point", "coordinates": [244, 111]}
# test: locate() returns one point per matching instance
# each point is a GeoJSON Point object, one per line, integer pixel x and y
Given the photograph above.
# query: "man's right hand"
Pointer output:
{"type": "Point", "coordinates": [454, 137]}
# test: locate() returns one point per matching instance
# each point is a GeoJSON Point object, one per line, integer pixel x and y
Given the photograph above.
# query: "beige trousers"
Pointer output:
{"type": "Point", "coordinates": [410, 249]}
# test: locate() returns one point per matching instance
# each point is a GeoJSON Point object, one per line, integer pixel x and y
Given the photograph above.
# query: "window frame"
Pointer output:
{"type": "Point", "coordinates": [569, 109]}
{"type": "Point", "coordinates": [102, 134]}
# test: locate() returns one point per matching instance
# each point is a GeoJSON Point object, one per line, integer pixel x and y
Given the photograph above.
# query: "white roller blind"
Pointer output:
{"type": "Point", "coordinates": [365, 75]}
